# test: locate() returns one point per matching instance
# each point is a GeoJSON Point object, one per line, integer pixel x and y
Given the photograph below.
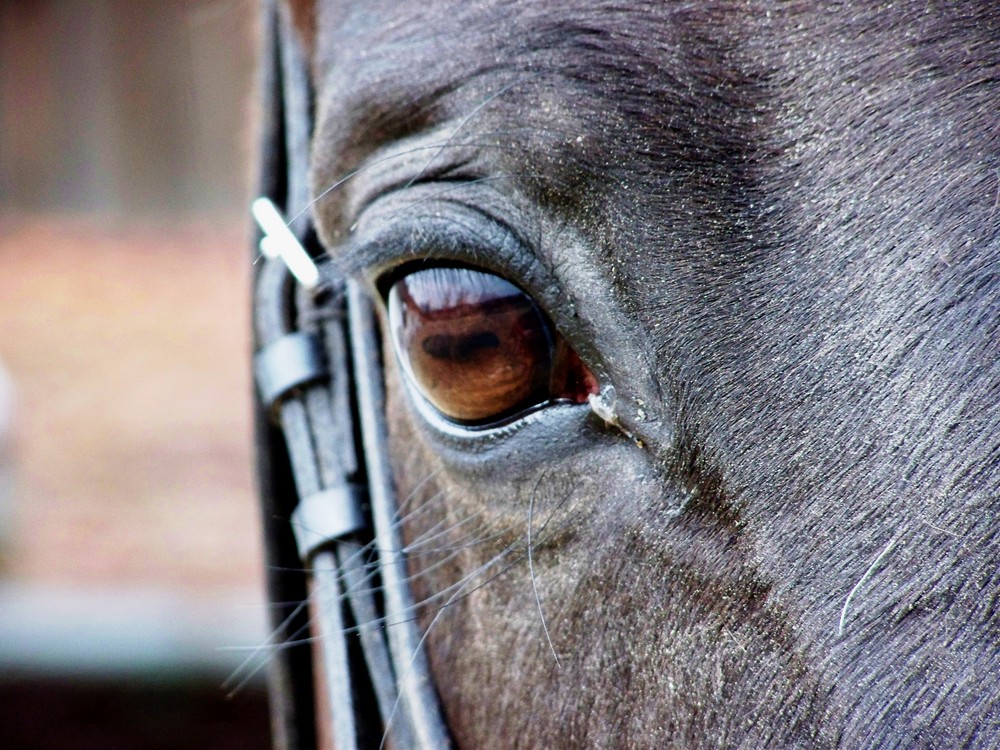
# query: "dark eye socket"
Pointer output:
{"type": "Point", "coordinates": [478, 348]}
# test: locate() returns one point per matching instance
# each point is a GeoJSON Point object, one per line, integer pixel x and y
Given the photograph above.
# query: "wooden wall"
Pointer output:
{"type": "Point", "coordinates": [132, 107]}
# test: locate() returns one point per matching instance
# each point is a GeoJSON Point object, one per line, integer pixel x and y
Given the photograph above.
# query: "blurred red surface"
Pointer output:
{"type": "Point", "coordinates": [128, 349]}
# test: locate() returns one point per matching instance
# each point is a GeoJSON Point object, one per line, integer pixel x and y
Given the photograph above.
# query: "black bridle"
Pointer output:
{"type": "Point", "coordinates": [327, 496]}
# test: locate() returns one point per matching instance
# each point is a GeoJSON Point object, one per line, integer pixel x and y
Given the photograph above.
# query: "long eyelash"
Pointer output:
{"type": "Point", "coordinates": [468, 118]}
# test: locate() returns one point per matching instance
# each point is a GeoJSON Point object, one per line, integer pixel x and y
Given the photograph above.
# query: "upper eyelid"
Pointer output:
{"type": "Point", "coordinates": [444, 185]}
{"type": "Point", "coordinates": [399, 228]}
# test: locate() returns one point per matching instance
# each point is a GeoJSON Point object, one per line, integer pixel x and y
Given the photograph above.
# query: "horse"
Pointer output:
{"type": "Point", "coordinates": [691, 345]}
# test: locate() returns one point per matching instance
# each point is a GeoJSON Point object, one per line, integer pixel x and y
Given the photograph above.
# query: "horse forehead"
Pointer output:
{"type": "Point", "coordinates": [383, 60]}
{"type": "Point", "coordinates": [709, 87]}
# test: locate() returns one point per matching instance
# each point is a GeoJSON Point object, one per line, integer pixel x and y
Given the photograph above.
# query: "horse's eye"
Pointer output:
{"type": "Point", "coordinates": [478, 348]}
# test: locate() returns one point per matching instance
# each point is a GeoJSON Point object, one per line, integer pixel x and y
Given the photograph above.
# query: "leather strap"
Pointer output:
{"type": "Point", "coordinates": [316, 479]}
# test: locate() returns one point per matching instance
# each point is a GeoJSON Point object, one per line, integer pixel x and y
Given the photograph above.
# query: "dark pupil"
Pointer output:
{"type": "Point", "coordinates": [460, 348]}
{"type": "Point", "coordinates": [473, 344]}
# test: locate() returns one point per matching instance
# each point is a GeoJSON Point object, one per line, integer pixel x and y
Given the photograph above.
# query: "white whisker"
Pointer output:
{"type": "Point", "coordinates": [865, 577]}
{"type": "Point", "coordinates": [531, 572]}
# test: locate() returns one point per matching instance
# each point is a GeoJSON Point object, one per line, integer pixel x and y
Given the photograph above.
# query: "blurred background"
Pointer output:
{"type": "Point", "coordinates": [129, 555]}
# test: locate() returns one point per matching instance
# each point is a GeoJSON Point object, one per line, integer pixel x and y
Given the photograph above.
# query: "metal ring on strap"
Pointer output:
{"type": "Point", "coordinates": [291, 361]}
{"type": "Point", "coordinates": [327, 516]}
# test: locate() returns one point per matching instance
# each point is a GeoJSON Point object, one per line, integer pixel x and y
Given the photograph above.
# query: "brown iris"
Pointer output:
{"type": "Point", "coordinates": [478, 348]}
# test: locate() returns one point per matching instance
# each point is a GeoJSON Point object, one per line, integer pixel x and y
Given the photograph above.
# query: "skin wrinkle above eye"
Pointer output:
{"type": "Point", "coordinates": [463, 225]}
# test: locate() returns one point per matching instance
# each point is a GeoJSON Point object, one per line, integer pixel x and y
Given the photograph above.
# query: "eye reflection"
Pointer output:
{"type": "Point", "coordinates": [478, 348]}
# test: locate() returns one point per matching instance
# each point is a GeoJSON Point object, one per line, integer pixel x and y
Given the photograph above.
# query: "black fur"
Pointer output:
{"type": "Point", "coordinates": [773, 228]}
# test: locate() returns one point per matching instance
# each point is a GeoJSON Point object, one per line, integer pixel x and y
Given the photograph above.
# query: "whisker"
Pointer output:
{"type": "Point", "coordinates": [404, 504]}
{"type": "Point", "coordinates": [507, 550]}
{"type": "Point", "coordinates": [479, 108]}
{"type": "Point", "coordinates": [423, 638]}
{"type": "Point", "coordinates": [531, 572]}
{"type": "Point", "coordinates": [432, 502]}
{"type": "Point", "coordinates": [459, 594]}
{"type": "Point", "coordinates": [270, 646]}
{"type": "Point", "coordinates": [257, 651]}
{"type": "Point", "coordinates": [274, 647]}
{"type": "Point", "coordinates": [435, 532]}
{"type": "Point", "coordinates": [461, 543]}
{"type": "Point", "coordinates": [867, 574]}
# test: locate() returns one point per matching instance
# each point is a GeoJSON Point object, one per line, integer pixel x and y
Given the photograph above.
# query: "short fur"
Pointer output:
{"type": "Point", "coordinates": [773, 229]}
